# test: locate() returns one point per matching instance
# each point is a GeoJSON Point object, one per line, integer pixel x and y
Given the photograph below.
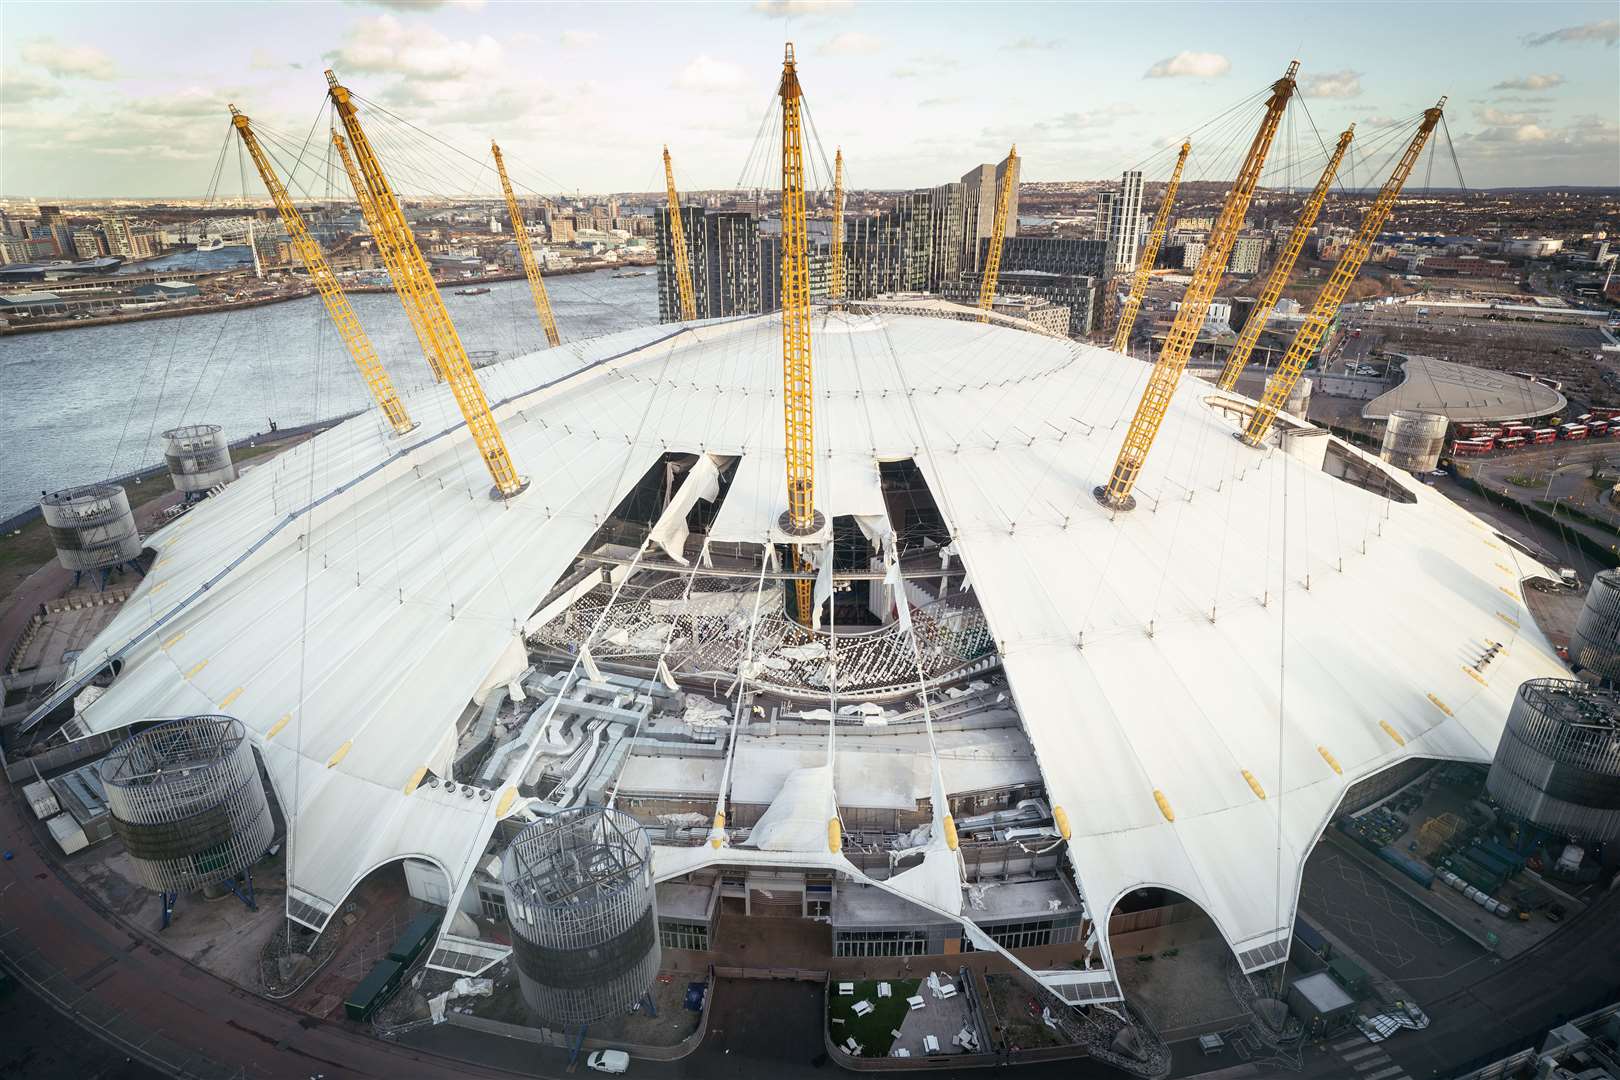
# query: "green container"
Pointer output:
{"type": "Point", "coordinates": [373, 989]}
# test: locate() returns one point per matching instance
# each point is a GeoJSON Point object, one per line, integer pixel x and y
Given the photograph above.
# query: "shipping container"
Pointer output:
{"type": "Point", "coordinates": [374, 989]}
{"type": "Point", "coordinates": [416, 936]}
{"type": "Point", "coordinates": [1506, 854]}
{"type": "Point", "coordinates": [1407, 865]}
{"type": "Point", "coordinates": [1312, 940]}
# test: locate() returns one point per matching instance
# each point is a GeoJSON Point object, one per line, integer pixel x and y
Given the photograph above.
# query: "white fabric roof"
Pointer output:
{"type": "Point", "coordinates": [384, 607]}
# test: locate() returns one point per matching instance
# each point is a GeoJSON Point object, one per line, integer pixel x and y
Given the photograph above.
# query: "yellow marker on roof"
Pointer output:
{"type": "Point", "coordinates": [230, 697]}
{"type": "Point", "coordinates": [1164, 805]}
{"type": "Point", "coordinates": [1254, 784]}
{"type": "Point", "coordinates": [196, 668]}
{"type": "Point", "coordinates": [1061, 820]}
{"type": "Point", "coordinates": [1442, 706]}
{"type": "Point", "coordinates": [1389, 729]}
{"type": "Point", "coordinates": [342, 752]}
{"type": "Point", "coordinates": [1332, 761]}
{"type": "Point", "coordinates": [1509, 593]}
{"type": "Point", "coordinates": [415, 780]}
{"type": "Point", "coordinates": [950, 832]}
{"type": "Point", "coordinates": [835, 836]}
{"type": "Point", "coordinates": [717, 835]}
{"type": "Point", "coordinates": [1476, 676]}
{"type": "Point", "coordinates": [172, 642]}
{"type": "Point", "coordinates": [507, 798]}
{"type": "Point", "coordinates": [1504, 568]}
{"type": "Point", "coordinates": [278, 725]}
{"type": "Point", "coordinates": [159, 587]}
{"type": "Point", "coordinates": [1510, 620]}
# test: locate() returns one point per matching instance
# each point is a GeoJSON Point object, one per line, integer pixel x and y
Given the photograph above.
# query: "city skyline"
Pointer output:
{"type": "Point", "coordinates": [132, 102]}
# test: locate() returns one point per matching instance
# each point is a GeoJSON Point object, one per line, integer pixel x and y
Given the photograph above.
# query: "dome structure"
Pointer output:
{"type": "Point", "coordinates": [1201, 678]}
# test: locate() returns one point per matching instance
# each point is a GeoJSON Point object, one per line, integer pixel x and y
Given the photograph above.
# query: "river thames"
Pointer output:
{"type": "Point", "coordinates": [81, 405]}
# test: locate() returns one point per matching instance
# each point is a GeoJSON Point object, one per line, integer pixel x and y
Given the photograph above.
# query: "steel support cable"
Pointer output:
{"type": "Point", "coordinates": [476, 159]}
{"type": "Point", "coordinates": [741, 686]}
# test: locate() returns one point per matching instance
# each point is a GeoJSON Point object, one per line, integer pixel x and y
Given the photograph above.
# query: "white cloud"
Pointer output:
{"type": "Point", "coordinates": [70, 61]}
{"type": "Point", "coordinates": [938, 102]}
{"type": "Point", "coordinates": [579, 39]}
{"type": "Point", "coordinates": [1531, 82]}
{"type": "Point", "coordinates": [1331, 84]}
{"type": "Point", "coordinates": [1026, 43]}
{"type": "Point", "coordinates": [710, 76]}
{"type": "Point", "coordinates": [804, 9]}
{"type": "Point", "coordinates": [1606, 31]}
{"type": "Point", "coordinates": [263, 60]}
{"type": "Point", "coordinates": [851, 43]}
{"type": "Point", "coordinates": [17, 87]}
{"type": "Point", "coordinates": [1197, 65]}
{"type": "Point", "coordinates": [1498, 118]}
{"type": "Point", "coordinates": [385, 46]}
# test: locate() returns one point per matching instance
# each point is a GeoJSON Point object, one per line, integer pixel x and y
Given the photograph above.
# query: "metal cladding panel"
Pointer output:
{"type": "Point", "coordinates": [198, 457]}
{"type": "Point", "coordinates": [1414, 440]}
{"type": "Point", "coordinates": [582, 906]}
{"type": "Point", "coordinates": [187, 800]}
{"type": "Point", "coordinates": [1595, 645]}
{"type": "Point", "coordinates": [92, 527]}
{"type": "Point", "coordinates": [1558, 763]}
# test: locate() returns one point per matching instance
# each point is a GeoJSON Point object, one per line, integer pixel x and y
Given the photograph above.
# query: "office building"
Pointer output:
{"type": "Point", "coordinates": [980, 188]}
{"type": "Point", "coordinates": [1124, 223]}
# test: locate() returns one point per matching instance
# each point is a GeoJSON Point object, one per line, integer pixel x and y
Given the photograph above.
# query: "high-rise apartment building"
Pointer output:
{"type": "Point", "coordinates": [1079, 293]}
{"type": "Point", "coordinates": [1124, 223]}
{"type": "Point", "coordinates": [1247, 253]}
{"type": "Point", "coordinates": [731, 264]}
{"type": "Point", "coordinates": [980, 187]}
{"type": "Point", "coordinates": [117, 232]}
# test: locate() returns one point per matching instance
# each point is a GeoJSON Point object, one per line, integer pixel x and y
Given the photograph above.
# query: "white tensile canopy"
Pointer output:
{"type": "Point", "coordinates": [1253, 615]}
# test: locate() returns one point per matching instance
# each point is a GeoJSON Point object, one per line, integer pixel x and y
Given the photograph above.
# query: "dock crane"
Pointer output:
{"type": "Point", "coordinates": [337, 304]}
{"type": "Point", "coordinates": [1284, 267]}
{"type": "Point", "coordinates": [531, 269]}
{"type": "Point", "coordinates": [998, 234]}
{"type": "Point", "coordinates": [418, 290]}
{"type": "Point", "coordinates": [835, 280]}
{"type": "Point", "coordinates": [677, 245]}
{"type": "Point", "coordinates": [801, 517]}
{"type": "Point", "coordinates": [1161, 386]}
{"type": "Point", "coordinates": [1150, 254]}
{"type": "Point", "coordinates": [389, 255]}
{"type": "Point", "coordinates": [1309, 335]}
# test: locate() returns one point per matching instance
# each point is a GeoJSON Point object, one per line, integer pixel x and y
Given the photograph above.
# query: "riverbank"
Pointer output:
{"type": "Point", "coordinates": [205, 307]}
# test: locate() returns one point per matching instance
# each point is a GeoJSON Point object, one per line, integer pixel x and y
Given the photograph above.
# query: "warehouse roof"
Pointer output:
{"type": "Point", "coordinates": [348, 599]}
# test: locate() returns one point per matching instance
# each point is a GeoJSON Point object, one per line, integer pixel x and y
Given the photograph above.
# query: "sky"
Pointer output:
{"type": "Point", "coordinates": [129, 99]}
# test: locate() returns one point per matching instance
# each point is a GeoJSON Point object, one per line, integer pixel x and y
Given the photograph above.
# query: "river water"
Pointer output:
{"type": "Point", "coordinates": [80, 405]}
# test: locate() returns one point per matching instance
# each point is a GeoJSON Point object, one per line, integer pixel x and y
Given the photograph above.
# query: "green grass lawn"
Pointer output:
{"type": "Point", "coordinates": [874, 1031]}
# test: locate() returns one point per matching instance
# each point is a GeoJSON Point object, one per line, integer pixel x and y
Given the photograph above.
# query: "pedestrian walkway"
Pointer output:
{"type": "Point", "coordinates": [1367, 1061]}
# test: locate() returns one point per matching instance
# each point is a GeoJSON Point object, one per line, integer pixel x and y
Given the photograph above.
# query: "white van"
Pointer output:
{"type": "Point", "coordinates": [609, 1061]}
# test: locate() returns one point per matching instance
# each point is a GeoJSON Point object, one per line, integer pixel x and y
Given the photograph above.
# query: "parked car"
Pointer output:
{"type": "Point", "coordinates": [609, 1061]}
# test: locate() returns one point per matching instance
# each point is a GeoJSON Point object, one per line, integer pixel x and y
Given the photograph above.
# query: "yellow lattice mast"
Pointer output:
{"type": "Point", "coordinates": [677, 245]}
{"type": "Point", "coordinates": [337, 304]}
{"type": "Point", "coordinates": [835, 281]}
{"type": "Point", "coordinates": [1178, 346]}
{"type": "Point", "coordinates": [388, 253]}
{"type": "Point", "coordinates": [1309, 336]}
{"type": "Point", "coordinates": [1285, 266]}
{"type": "Point", "coordinates": [1150, 255]}
{"type": "Point", "coordinates": [998, 234]}
{"type": "Point", "coordinates": [801, 518]}
{"type": "Point", "coordinates": [417, 287]}
{"type": "Point", "coordinates": [531, 269]}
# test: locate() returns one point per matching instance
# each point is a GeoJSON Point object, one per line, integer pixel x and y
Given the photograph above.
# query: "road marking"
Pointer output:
{"type": "Point", "coordinates": [1366, 1049]}
{"type": "Point", "coordinates": [1386, 1074]}
{"type": "Point", "coordinates": [1371, 1063]}
{"type": "Point", "coordinates": [1359, 1040]}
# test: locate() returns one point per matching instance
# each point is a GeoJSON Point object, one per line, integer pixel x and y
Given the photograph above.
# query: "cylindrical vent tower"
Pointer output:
{"type": "Point", "coordinates": [1299, 399]}
{"type": "Point", "coordinates": [1413, 440]}
{"type": "Point", "coordinates": [187, 801]}
{"type": "Point", "coordinates": [198, 457]}
{"type": "Point", "coordinates": [1558, 764]}
{"type": "Point", "coordinates": [1595, 645]}
{"type": "Point", "coordinates": [580, 900]}
{"type": "Point", "coordinates": [92, 527]}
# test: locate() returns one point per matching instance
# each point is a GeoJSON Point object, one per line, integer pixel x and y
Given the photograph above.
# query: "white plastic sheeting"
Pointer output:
{"type": "Point", "coordinates": [797, 818]}
{"type": "Point", "coordinates": [702, 482]}
{"type": "Point", "coordinates": [1145, 651]}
